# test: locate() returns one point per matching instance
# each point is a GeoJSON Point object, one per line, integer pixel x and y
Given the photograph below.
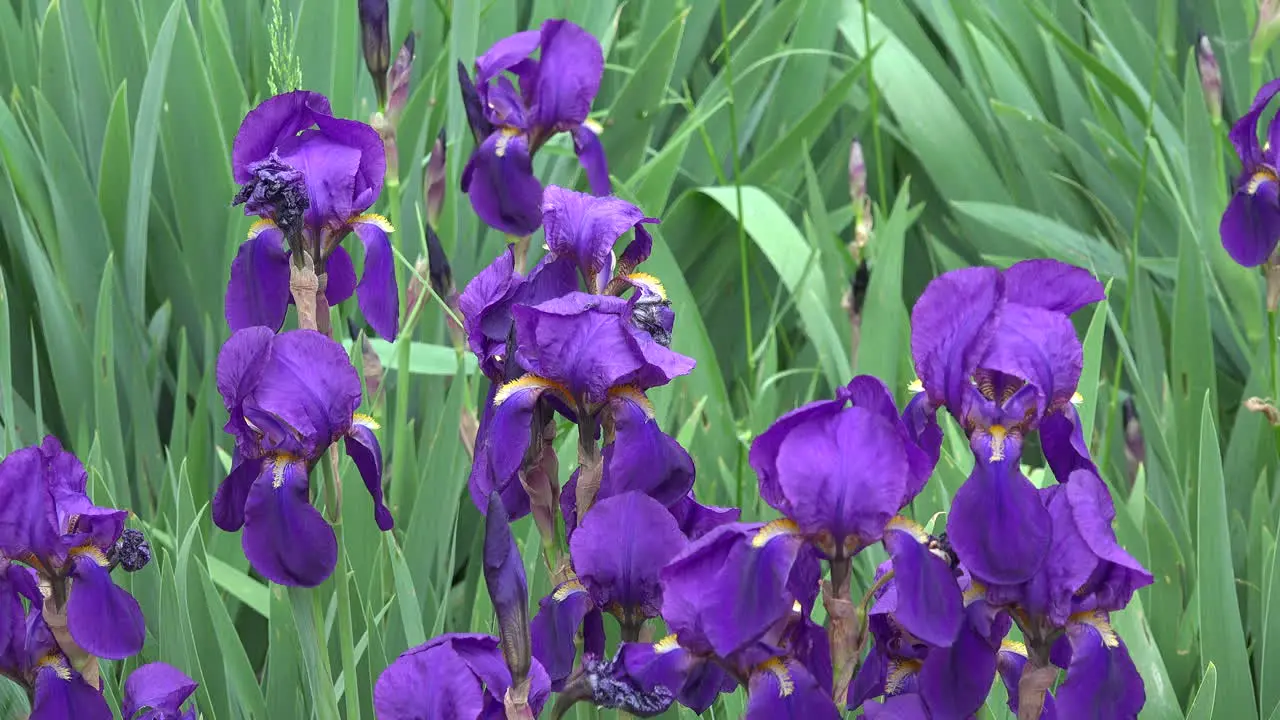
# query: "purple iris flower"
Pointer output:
{"type": "Point", "coordinates": [48, 523]}
{"type": "Point", "coordinates": [310, 177]}
{"type": "Point", "coordinates": [1102, 680]}
{"type": "Point", "coordinates": [289, 397]}
{"type": "Point", "coordinates": [998, 350]}
{"type": "Point", "coordinates": [617, 554]}
{"type": "Point", "coordinates": [454, 675]}
{"type": "Point", "coordinates": [156, 691]}
{"type": "Point", "coordinates": [584, 229]}
{"type": "Point", "coordinates": [554, 95]}
{"type": "Point", "coordinates": [58, 690]}
{"type": "Point", "coordinates": [1250, 226]}
{"type": "Point", "coordinates": [918, 679]}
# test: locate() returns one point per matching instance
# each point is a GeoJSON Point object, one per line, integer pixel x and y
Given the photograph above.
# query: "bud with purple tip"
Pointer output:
{"type": "Point", "coordinates": [1210, 77]}
{"type": "Point", "coordinates": [377, 46]}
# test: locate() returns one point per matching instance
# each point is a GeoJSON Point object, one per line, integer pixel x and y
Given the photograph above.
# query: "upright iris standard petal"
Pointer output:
{"type": "Point", "coordinates": [1040, 347]}
{"type": "Point", "coordinates": [363, 448]}
{"type": "Point", "coordinates": [500, 182]}
{"type": "Point", "coordinates": [783, 688]}
{"type": "Point", "coordinates": [569, 73]}
{"type": "Point", "coordinates": [285, 537]}
{"type": "Point", "coordinates": [619, 550]}
{"type": "Point", "coordinates": [586, 343]}
{"type": "Point", "coordinates": [258, 292]}
{"type": "Point", "coordinates": [379, 298]}
{"type": "Point", "coordinates": [158, 686]}
{"type": "Point", "coordinates": [1052, 285]}
{"type": "Point", "coordinates": [585, 228]}
{"type": "Point", "coordinates": [25, 516]}
{"type": "Point", "coordinates": [996, 504]}
{"type": "Point", "coordinates": [270, 124]}
{"type": "Point", "coordinates": [94, 597]}
{"type": "Point", "coordinates": [951, 328]}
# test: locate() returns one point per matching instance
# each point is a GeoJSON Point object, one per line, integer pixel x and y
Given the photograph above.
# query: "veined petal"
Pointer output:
{"type": "Point", "coordinates": [1040, 347]}
{"type": "Point", "coordinates": [363, 448]}
{"type": "Point", "coordinates": [499, 180]}
{"type": "Point", "coordinates": [258, 291]}
{"type": "Point", "coordinates": [285, 537]}
{"type": "Point", "coordinates": [158, 686]}
{"type": "Point", "coordinates": [93, 598]}
{"type": "Point", "coordinates": [929, 602]}
{"type": "Point", "coordinates": [783, 688]}
{"type": "Point", "coordinates": [62, 693]}
{"type": "Point", "coordinates": [995, 504]}
{"type": "Point", "coordinates": [377, 292]}
{"type": "Point", "coordinates": [619, 549]}
{"type": "Point", "coordinates": [570, 69]}
{"type": "Point", "coordinates": [552, 630]}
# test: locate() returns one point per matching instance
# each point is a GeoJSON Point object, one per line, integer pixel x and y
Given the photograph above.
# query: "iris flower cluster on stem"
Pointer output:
{"type": "Point", "coordinates": [60, 610]}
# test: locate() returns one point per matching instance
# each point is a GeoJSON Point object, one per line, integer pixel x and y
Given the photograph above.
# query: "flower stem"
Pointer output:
{"type": "Point", "coordinates": [350, 672]}
{"type": "Point", "coordinates": [843, 631]}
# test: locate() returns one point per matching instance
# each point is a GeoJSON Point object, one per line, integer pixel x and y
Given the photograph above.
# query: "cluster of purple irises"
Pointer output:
{"type": "Point", "coordinates": [60, 611]}
{"type": "Point", "coordinates": [583, 336]}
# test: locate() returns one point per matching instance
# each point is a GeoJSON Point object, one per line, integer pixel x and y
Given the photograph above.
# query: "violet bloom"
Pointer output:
{"type": "Point", "coordinates": [156, 691]}
{"type": "Point", "coordinates": [289, 397]}
{"type": "Point", "coordinates": [1102, 680]}
{"type": "Point", "coordinates": [554, 95]}
{"type": "Point", "coordinates": [454, 675]}
{"type": "Point", "coordinates": [49, 523]}
{"type": "Point", "coordinates": [1250, 226]}
{"type": "Point", "coordinates": [310, 177]}
{"type": "Point", "coordinates": [585, 228]}
{"type": "Point", "coordinates": [997, 349]}
{"type": "Point", "coordinates": [617, 554]}
{"type": "Point", "coordinates": [57, 688]}
{"type": "Point", "coordinates": [917, 679]}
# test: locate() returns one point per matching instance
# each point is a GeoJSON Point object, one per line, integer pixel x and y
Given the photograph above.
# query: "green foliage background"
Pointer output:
{"type": "Point", "coordinates": [994, 130]}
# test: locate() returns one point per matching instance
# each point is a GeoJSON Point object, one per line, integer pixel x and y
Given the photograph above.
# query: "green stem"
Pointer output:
{"type": "Point", "coordinates": [305, 603]}
{"type": "Point", "coordinates": [346, 634]}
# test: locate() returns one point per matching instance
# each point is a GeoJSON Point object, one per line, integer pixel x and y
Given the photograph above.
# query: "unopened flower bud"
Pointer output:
{"type": "Point", "coordinates": [131, 551]}
{"type": "Point", "coordinates": [398, 80]}
{"type": "Point", "coordinates": [1210, 77]}
{"type": "Point", "coordinates": [857, 174]}
{"type": "Point", "coordinates": [440, 273]}
{"type": "Point", "coordinates": [1264, 34]}
{"type": "Point", "coordinates": [377, 45]}
{"type": "Point", "coordinates": [434, 180]}
{"type": "Point", "coordinates": [480, 126]}
{"type": "Point", "coordinates": [505, 580]}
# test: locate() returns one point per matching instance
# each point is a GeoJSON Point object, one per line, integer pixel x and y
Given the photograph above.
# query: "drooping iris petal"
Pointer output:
{"type": "Point", "coordinates": [586, 343]}
{"type": "Point", "coordinates": [783, 688]}
{"type": "Point", "coordinates": [552, 630]}
{"type": "Point", "coordinates": [285, 537]}
{"type": "Point", "coordinates": [954, 681]}
{"type": "Point", "coordinates": [379, 298]}
{"type": "Point", "coordinates": [158, 686]}
{"type": "Point", "coordinates": [363, 448]}
{"type": "Point", "coordinates": [59, 698]}
{"type": "Point", "coordinates": [569, 73]}
{"type": "Point", "coordinates": [1052, 285]}
{"type": "Point", "coordinates": [585, 228]}
{"type": "Point", "coordinates": [929, 601]}
{"type": "Point", "coordinates": [729, 587]}
{"type": "Point", "coordinates": [341, 282]}
{"type": "Point", "coordinates": [642, 458]}
{"type": "Point", "coordinates": [619, 549]}
{"type": "Point", "coordinates": [486, 315]}
{"type": "Point", "coordinates": [499, 180]}
{"type": "Point", "coordinates": [1250, 225]}
{"type": "Point", "coordinates": [921, 421]}
{"type": "Point", "coordinates": [505, 580]}
{"type": "Point", "coordinates": [494, 456]}
{"type": "Point", "coordinates": [898, 707]}
{"type": "Point", "coordinates": [998, 503]}
{"type": "Point", "coordinates": [1062, 441]}
{"type": "Point", "coordinates": [228, 501]}
{"type": "Point", "coordinates": [951, 327]}
{"type": "Point", "coordinates": [258, 291]}
{"type": "Point", "coordinates": [586, 143]}
{"type": "Point", "coordinates": [272, 122]}
{"type": "Point", "coordinates": [93, 597]}
{"type": "Point", "coordinates": [1093, 512]}
{"type": "Point", "coordinates": [697, 681]}
{"type": "Point", "coordinates": [1102, 680]}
